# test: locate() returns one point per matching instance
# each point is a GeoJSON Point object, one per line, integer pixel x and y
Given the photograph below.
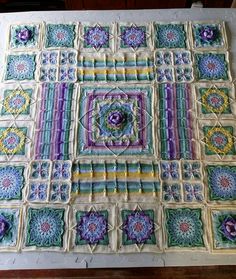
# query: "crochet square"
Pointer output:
{"type": "Point", "coordinates": [20, 67]}
{"type": "Point", "coordinates": [176, 122]}
{"type": "Point", "coordinates": [184, 228]}
{"type": "Point", "coordinates": [61, 170]}
{"type": "Point", "coordinates": [208, 35]}
{"type": "Point", "coordinates": [48, 58]}
{"type": "Point", "coordinates": [55, 120]}
{"type": "Point", "coordinates": [24, 36]}
{"type": "Point", "coordinates": [221, 182]}
{"type": "Point", "coordinates": [93, 228]}
{"type": "Point", "coordinates": [96, 180]}
{"type": "Point", "coordinates": [18, 102]}
{"type": "Point", "coordinates": [60, 192]}
{"type": "Point", "coordinates": [191, 170]}
{"type": "Point", "coordinates": [219, 140]}
{"type": "Point", "coordinates": [139, 228]}
{"type": "Point", "coordinates": [60, 35]}
{"type": "Point", "coordinates": [171, 192]}
{"type": "Point", "coordinates": [193, 192]}
{"type": "Point", "coordinates": [12, 182]}
{"type": "Point", "coordinates": [38, 191]}
{"type": "Point", "coordinates": [223, 222]}
{"type": "Point", "coordinates": [212, 66]}
{"type": "Point", "coordinates": [170, 35]}
{"type": "Point", "coordinates": [45, 228]}
{"type": "Point", "coordinates": [12, 140]}
{"type": "Point", "coordinates": [133, 37]}
{"type": "Point", "coordinates": [9, 234]}
{"type": "Point", "coordinates": [115, 121]}
{"type": "Point", "coordinates": [48, 74]}
{"type": "Point", "coordinates": [170, 170]}
{"type": "Point", "coordinates": [215, 101]}
{"type": "Point", "coordinates": [96, 37]}
{"type": "Point", "coordinates": [40, 170]}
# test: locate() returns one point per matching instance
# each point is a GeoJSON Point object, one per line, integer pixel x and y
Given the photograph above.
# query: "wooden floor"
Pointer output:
{"type": "Point", "coordinates": [212, 272]}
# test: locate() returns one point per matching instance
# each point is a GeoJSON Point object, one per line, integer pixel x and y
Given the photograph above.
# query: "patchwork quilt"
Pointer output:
{"type": "Point", "coordinates": [117, 137]}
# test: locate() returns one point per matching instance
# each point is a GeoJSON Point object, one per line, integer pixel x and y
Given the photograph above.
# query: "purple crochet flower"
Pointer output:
{"type": "Point", "coordinates": [207, 33]}
{"type": "Point", "coordinates": [24, 35]}
{"type": "Point", "coordinates": [229, 228]}
{"type": "Point", "coordinates": [4, 226]}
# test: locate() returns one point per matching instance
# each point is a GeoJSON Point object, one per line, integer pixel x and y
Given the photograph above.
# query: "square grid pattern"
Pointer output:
{"type": "Point", "coordinates": [117, 137]}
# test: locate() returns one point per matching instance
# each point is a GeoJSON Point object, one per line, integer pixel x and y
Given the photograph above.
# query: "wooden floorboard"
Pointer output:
{"type": "Point", "coordinates": [211, 272]}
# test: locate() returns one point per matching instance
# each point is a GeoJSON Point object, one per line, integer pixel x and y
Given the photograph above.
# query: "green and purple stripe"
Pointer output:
{"type": "Point", "coordinates": [54, 122]}
{"type": "Point", "coordinates": [176, 123]}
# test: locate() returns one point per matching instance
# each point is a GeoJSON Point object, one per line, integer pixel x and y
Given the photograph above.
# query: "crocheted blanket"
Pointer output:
{"type": "Point", "coordinates": [117, 137]}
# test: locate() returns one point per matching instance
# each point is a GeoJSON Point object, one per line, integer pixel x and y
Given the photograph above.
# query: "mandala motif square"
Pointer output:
{"type": "Point", "coordinates": [170, 36]}
{"type": "Point", "coordinates": [9, 223]}
{"type": "Point", "coordinates": [60, 35]}
{"type": "Point", "coordinates": [184, 227]}
{"type": "Point", "coordinates": [138, 227]}
{"type": "Point", "coordinates": [96, 37]}
{"type": "Point", "coordinates": [92, 228]}
{"type": "Point", "coordinates": [212, 66]}
{"type": "Point", "coordinates": [24, 36]}
{"type": "Point", "coordinates": [45, 227]}
{"type": "Point", "coordinates": [223, 222]}
{"type": "Point", "coordinates": [12, 182]}
{"type": "Point", "coordinates": [133, 37]}
{"type": "Point", "coordinates": [208, 35]}
{"type": "Point", "coordinates": [221, 182]}
{"type": "Point", "coordinates": [20, 67]}
{"type": "Point", "coordinates": [115, 121]}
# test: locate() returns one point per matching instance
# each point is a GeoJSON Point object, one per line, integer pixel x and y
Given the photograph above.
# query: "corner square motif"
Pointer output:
{"type": "Point", "coordinates": [37, 191]}
{"type": "Point", "coordinates": [45, 228]}
{"type": "Point", "coordinates": [208, 35]}
{"type": "Point", "coordinates": [40, 170]}
{"type": "Point", "coordinates": [170, 36]}
{"type": "Point", "coordinates": [20, 67]}
{"type": "Point", "coordinates": [184, 228]}
{"type": "Point", "coordinates": [12, 182]}
{"type": "Point", "coordinates": [24, 36]}
{"type": "Point", "coordinates": [115, 121]}
{"type": "Point", "coordinates": [9, 221]}
{"type": "Point", "coordinates": [221, 182]}
{"type": "Point", "coordinates": [212, 66]}
{"type": "Point", "coordinates": [223, 222]}
{"type": "Point", "coordinates": [60, 35]}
